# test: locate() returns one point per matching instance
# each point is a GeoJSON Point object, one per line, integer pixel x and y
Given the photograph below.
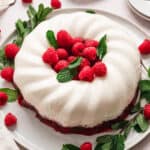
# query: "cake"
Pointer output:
{"type": "Point", "coordinates": [77, 103]}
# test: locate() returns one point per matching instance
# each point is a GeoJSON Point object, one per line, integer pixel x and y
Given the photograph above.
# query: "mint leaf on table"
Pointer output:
{"type": "Point", "coordinates": [90, 11]}
{"type": "Point", "coordinates": [141, 124]}
{"type": "Point", "coordinates": [70, 147]}
{"type": "Point", "coordinates": [119, 125]}
{"type": "Point", "coordinates": [70, 72]}
{"type": "Point", "coordinates": [102, 47]}
{"type": "Point", "coordinates": [136, 108]}
{"type": "Point", "coordinates": [144, 86]}
{"type": "Point", "coordinates": [148, 72]}
{"type": "Point", "coordinates": [110, 142]}
{"type": "Point", "coordinates": [12, 94]}
{"type": "Point", "coordinates": [5, 61]}
{"type": "Point", "coordinates": [75, 63]}
{"type": "Point", "coordinates": [51, 38]}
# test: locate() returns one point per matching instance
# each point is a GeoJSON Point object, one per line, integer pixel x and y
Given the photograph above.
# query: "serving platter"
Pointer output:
{"type": "Point", "coordinates": [34, 135]}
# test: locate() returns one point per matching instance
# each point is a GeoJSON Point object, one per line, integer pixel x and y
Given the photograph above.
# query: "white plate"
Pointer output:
{"type": "Point", "coordinates": [141, 7]}
{"type": "Point", "coordinates": [35, 135]}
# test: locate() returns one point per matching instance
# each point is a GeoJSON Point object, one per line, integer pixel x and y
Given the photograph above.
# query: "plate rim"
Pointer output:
{"type": "Point", "coordinates": [21, 140]}
{"type": "Point", "coordinates": [137, 12]}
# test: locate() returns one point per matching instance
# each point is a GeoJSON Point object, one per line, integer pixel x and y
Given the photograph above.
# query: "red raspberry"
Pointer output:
{"type": "Point", "coordinates": [62, 53]}
{"type": "Point", "coordinates": [61, 65]}
{"type": "Point", "coordinates": [147, 111]}
{"type": "Point", "coordinates": [86, 74]}
{"type": "Point", "coordinates": [71, 59]}
{"type": "Point", "coordinates": [91, 43]}
{"type": "Point", "coordinates": [11, 50]}
{"type": "Point", "coordinates": [84, 63]}
{"type": "Point", "coordinates": [77, 39]}
{"type": "Point", "coordinates": [99, 69]}
{"type": "Point", "coordinates": [27, 1]}
{"type": "Point", "coordinates": [50, 56]}
{"type": "Point", "coordinates": [3, 98]}
{"type": "Point", "coordinates": [86, 146]}
{"type": "Point", "coordinates": [90, 53]}
{"type": "Point", "coordinates": [56, 4]}
{"type": "Point", "coordinates": [144, 48]}
{"type": "Point", "coordinates": [78, 48]}
{"type": "Point", "coordinates": [10, 120]}
{"type": "Point", "coordinates": [7, 74]}
{"type": "Point", "coordinates": [64, 39]}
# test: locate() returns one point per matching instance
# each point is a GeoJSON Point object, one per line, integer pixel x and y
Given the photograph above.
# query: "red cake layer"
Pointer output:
{"type": "Point", "coordinates": [106, 126]}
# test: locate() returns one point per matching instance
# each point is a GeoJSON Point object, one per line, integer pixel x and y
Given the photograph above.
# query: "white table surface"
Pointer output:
{"type": "Point", "coordinates": [119, 7]}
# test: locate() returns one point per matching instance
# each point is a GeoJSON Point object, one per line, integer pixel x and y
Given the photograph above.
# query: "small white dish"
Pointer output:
{"type": "Point", "coordinates": [6, 3]}
{"type": "Point", "coordinates": [141, 8]}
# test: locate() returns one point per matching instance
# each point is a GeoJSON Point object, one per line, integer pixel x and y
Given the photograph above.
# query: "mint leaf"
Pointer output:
{"type": "Point", "coordinates": [144, 85]}
{"type": "Point", "coordinates": [146, 95]}
{"type": "Point", "coordinates": [51, 38]}
{"type": "Point", "coordinates": [136, 108]}
{"type": "Point", "coordinates": [110, 142]}
{"type": "Point", "coordinates": [5, 61]}
{"type": "Point", "coordinates": [12, 94]}
{"type": "Point", "coordinates": [40, 11]}
{"type": "Point", "coordinates": [104, 139]}
{"type": "Point", "coordinates": [118, 142]}
{"type": "Point", "coordinates": [66, 75]}
{"type": "Point", "coordinates": [75, 63]}
{"type": "Point", "coordinates": [70, 147]}
{"type": "Point", "coordinates": [148, 72]}
{"type": "Point", "coordinates": [119, 125]}
{"type": "Point", "coordinates": [128, 129]}
{"type": "Point", "coordinates": [102, 47]}
{"type": "Point", "coordinates": [141, 124]}
{"type": "Point", "coordinates": [90, 11]}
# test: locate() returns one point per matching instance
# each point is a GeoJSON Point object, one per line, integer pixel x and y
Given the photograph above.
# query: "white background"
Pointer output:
{"type": "Point", "coordinates": [119, 7]}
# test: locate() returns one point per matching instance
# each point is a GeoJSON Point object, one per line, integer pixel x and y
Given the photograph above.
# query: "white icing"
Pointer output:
{"type": "Point", "coordinates": [78, 103]}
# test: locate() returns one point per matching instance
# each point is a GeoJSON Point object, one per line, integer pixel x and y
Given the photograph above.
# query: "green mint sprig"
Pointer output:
{"type": "Point", "coordinates": [70, 147]}
{"type": "Point", "coordinates": [70, 72]}
{"type": "Point", "coordinates": [51, 38]}
{"type": "Point", "coordinates": [90, 11]}
{"type": "Point", "coordinates": [12, 94]}
{"type": "Point", "coordinates": [102, 47]}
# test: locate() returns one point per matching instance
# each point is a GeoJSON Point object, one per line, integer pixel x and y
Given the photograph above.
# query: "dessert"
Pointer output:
{"type": "Point", "coordinates": [79, 104]}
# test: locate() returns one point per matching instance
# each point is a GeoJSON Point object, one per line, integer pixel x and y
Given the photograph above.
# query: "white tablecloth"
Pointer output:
{"type": "Point", "coordinates": [119, 7]}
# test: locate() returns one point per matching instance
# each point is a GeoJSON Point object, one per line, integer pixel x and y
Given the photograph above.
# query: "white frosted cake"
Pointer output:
{"type": "Point", "coordinates": [77, 103]}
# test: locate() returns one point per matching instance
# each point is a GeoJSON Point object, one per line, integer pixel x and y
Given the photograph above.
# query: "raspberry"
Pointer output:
{"type": "Point", "coordinates": [64, 39]}
{"type": "Point", "coordinates": [91, 43]}
{"type": "Point", "coordinates": [7, 74]}
{"type": "Point", "coordinates": [27, 1]}
{"type": "Point", "coordinates": [71, 59]}
{"type": "Point", "coordinates": [90, 53]}
{"type": "Point", "coordinates": [144, 48]}
{"type": "Point", "coordinates": [10, 120]}
{"type": "Point", "coordinates": [99, 69]}
{"type": "Point", "coordinates": [77, 39]}
{"type": "Point", "coordinates": [86, 146]}
{"type": "Point", "coordinates": [147, 111]}
{"type": "Point", "coordinates": [61, 65]}
{"type": "Point", "coordinates": [62, 53]}
{"type": "Point", "coordinates": [84, 63]}
{"type": "Point", "coordinates": [50, 56]}
{"type": "Point", "coordinates": [77, 49]}
{"type": "Point", "coordinates": [56, 4]}
{"type": "Point", "coordinates": [3, 98]}
{"type": "Point", "coordinates": [11, 50]}
{"type": "Point", "coordinates": [86, 74]}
